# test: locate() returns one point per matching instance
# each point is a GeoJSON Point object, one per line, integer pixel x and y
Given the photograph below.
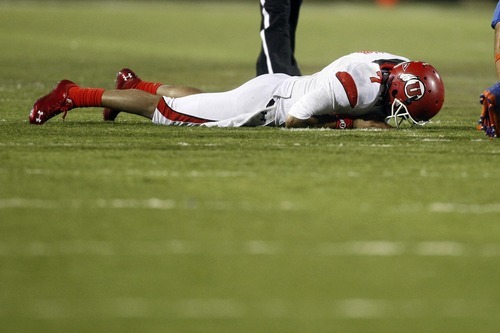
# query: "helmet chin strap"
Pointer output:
{"type": "Point", "coordinates": [399, 113]}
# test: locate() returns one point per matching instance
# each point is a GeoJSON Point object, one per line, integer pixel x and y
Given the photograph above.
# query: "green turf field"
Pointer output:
{"type": "Point", "coordinates": [131, 227]}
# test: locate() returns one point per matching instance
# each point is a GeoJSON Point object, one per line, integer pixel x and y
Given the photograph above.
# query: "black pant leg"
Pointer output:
{"type": "Point", "coordinates": [279, 20]}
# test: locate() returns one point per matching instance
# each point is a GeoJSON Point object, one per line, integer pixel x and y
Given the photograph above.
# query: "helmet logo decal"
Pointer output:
{"type": "Point", "coordinates": [414, 88]}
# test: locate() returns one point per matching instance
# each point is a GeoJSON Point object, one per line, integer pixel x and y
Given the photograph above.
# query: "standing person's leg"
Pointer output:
{"type": "Point", "coordinates": [276, 51]}
{"type": "Point", "coordinates": [293, 23]}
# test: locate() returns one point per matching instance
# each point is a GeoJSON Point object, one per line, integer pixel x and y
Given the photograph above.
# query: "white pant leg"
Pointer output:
{"type": "Point", "coordinates": [250, 97]}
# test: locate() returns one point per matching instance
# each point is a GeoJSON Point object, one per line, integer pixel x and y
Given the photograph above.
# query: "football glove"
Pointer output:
{"type": "Point", "coordinates": [490, 113]}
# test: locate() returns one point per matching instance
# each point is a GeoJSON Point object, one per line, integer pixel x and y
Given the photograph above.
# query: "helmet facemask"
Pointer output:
{"type": "Point", "coordinates": [400, 117]}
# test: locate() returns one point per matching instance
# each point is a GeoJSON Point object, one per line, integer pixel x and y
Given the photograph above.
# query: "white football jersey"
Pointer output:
{"type": "Point", "coordinates": [351, 85]}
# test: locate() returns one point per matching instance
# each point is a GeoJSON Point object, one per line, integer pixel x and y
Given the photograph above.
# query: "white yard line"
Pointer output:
{"type": "Point", "coordinates": [451, 207]}
{"type": "Point", "coordinates": [378, 248]}
{"type": "Point", "coordinates": [150, 203]}
{"type": "Point", "coordinates": [158, 203]}
{"type": "Point", "coordinates": [229, 308]}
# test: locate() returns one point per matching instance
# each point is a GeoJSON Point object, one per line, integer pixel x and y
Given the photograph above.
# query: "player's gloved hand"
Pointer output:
{"type": "Point", "coordinates": [490, 113]}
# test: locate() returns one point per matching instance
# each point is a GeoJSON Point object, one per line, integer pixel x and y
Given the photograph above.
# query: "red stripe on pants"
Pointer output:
{"type": "Point", "coordinates": [173, 115]}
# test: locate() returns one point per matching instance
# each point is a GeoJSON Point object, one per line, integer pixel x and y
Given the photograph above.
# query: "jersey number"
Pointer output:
{"type": "Point", "coordinates": [377, 79]}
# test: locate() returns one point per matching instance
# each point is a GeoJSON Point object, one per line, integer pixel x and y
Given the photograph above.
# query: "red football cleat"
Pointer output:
{"type": "Point", "coordinates": [125, 79]}
{"type": "Point", "coordinates": [52, 104]}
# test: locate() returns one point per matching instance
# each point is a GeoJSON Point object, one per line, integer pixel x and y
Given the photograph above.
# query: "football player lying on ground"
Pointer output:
{"type": "Point", "coordinates": [489, 121]}
{"type": "Point", "coordinates": [359, 90]}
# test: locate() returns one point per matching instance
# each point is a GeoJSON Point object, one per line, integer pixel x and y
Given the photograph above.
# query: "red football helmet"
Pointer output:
{"type": "Point", "coordinates": [416, 93]}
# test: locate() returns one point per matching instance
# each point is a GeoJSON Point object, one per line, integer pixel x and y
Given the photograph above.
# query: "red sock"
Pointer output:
{"type": "Point", "coordinates": [150, 87]}
{"type": "Point", "coordinates": [82, 97]}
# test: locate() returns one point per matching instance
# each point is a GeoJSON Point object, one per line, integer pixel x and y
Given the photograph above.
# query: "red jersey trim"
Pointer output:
{"type": "Point", "coordinates": [349, 87]}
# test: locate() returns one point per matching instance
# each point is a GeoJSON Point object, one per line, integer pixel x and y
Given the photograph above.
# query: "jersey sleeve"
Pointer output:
{"type": "Point", "coordinates": [344, 91]}
{"type": "Point", "coordinates": [314, 103]}
{"type": "Point", "coordinates": [496, 16]}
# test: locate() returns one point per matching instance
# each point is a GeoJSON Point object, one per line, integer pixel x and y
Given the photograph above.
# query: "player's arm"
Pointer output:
{"type": "Point", "coordinates": [338, 93]}
{"type": "Point", "coordinates": [293, 122]}
{"type": "Point", "coordinates": [323, 121]}
{"type": "Point", "coordinates": [317, 109]}
{"type": "Point", "coordinates": [497, 49]}
{"type": "Point", "coordinates": [495, 24]}
{"type": "Point", "coordinates": [335, 122]}
{"type": "Point", "coordinates": [489, 120]}
{"type": "Point", "coordinates": [365, 123]}
{"type": "Point", "coordinates": [314, 109]}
